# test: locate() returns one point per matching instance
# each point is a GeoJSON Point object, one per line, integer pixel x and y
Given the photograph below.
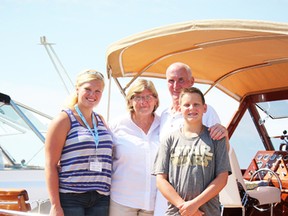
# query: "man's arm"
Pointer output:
{"type": "Point", "coordinates": [212, 121]}
{"type": "Point", "coordinates": [218, 132]}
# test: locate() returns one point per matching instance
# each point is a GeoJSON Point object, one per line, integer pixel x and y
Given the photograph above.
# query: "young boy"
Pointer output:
{"type": "Point", "coordinates": [190, 167]}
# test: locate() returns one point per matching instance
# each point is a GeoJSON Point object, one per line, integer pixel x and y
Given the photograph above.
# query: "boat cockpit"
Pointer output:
{"type": "Point", "coordinates": [259, 137]}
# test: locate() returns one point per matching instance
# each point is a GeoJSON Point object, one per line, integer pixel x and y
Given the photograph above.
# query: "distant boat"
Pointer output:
{"type": "Point", "coordinates": [22, 132]}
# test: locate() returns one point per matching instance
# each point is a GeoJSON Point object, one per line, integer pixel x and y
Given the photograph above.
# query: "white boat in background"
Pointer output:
{"type": "Point", "coordinates": [247, 61]}
{"type": "Point", "coordinates": [22, 131]}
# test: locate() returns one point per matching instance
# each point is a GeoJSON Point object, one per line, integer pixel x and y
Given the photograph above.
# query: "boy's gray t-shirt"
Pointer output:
{"type": "Point", "coordinates": [191, 165]}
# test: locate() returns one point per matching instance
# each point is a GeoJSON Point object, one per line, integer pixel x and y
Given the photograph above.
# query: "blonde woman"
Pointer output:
{"type": "Point", "coordinates": [136, 139]}
{"type": "Point", "coordinates": [78, 139]}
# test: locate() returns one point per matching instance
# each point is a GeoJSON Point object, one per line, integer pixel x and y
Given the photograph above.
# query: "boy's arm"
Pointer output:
{"type": "Point", "coordinates": [173, 197]}
{"type": "Point", "coordinates": [211, 191]}
{"type": "Point", "coordinates": [167, 190]}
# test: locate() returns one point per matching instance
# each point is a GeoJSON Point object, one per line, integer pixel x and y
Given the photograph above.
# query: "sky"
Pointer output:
{"type": "Point", "coordinates": [83, 29]}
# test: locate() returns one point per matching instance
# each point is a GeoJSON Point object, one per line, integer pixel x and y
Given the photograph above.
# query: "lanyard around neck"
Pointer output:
{"type": "Point", "coordinates": [95, 134]}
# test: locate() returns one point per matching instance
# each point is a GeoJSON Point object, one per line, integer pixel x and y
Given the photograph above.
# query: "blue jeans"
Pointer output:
{"type": "Point", "coordinates": [85, 204]}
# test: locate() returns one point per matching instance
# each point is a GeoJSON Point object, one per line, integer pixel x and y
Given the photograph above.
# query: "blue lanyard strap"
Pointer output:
{"type": "Point", "coordinates": [95, 134]}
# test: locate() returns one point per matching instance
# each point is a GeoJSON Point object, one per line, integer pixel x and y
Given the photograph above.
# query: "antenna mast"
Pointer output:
{"type": "Point", "coordinates": [56, 63]}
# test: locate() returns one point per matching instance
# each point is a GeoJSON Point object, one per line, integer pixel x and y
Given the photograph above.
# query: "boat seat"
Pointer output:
{"type": "Point", "coordinates": [14, 199]}
{"type": "Point", "coordinates": [230, 196]}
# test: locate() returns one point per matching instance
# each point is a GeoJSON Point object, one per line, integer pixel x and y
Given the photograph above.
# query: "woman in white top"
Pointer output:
{"type": "Point", "coordinates": [136, 139]}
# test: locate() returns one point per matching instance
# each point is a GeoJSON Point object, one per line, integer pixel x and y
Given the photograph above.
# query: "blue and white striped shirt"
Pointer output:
{"type": "Point", "coordinates": [75, 176]}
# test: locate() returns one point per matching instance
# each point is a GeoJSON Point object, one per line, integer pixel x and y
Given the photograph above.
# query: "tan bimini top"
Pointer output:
{"type": "Point", "coordinates": [240, 57]}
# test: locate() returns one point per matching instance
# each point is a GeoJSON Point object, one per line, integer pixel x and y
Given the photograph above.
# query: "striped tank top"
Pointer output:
{"type": "Point", "coordinates": [75, 175]}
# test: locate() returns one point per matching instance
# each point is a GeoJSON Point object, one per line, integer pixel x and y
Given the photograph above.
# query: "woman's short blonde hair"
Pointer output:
{"type": "Point", "coordinates": [139, 86]}
{"type": "Point", "coordinates": [84, 77]}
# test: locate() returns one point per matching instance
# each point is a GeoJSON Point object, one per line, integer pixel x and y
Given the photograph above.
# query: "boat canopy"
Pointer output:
{"type": "Point", "coordinates": [240, 57]}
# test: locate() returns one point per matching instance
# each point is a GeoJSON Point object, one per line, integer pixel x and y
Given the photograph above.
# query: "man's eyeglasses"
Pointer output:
{"type": "Point", "coordinates": [139, 98]}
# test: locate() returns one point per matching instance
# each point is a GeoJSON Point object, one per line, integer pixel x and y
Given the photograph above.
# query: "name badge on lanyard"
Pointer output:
{"type": "Point", "coordinates": [94, 162]}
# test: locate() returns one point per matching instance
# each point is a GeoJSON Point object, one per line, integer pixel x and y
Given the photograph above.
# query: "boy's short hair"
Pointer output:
{"type": "Point", "coordinates": [192, 90]}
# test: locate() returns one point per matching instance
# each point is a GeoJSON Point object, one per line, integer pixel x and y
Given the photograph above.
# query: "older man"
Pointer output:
{"type": "Point", "coordinates": [179, 76]}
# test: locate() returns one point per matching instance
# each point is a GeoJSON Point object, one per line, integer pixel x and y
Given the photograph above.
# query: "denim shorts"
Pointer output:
{"type": "Point", "coordinates": [85, 204]}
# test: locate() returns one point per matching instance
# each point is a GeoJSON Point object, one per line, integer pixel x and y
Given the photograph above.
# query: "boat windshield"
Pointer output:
{"type": "Point", "coordinates": [22, 132]}
{"type": "Point", "coordinates": [246, 140]}
{"type": "Point", "coordinates": [275, 109]}
{"type": "Point", "coordinates": [274, 115]}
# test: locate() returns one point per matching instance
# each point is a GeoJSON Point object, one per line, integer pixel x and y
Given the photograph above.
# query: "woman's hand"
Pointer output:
{"type": "Point", "coordinates": [56, 211]}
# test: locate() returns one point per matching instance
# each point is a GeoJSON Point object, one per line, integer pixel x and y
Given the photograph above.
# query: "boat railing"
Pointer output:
{"type": "Point", "coordinates": [36, 210]}
{"type": "Point", "coordinates": [19, 213]}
